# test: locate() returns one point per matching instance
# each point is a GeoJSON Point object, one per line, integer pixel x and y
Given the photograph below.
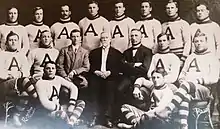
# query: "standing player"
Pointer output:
{"type": "Point", "coordinates": [149, 26]}
{"type": "Point", "coordinates": [48, 91]}
{"type": "Point", "coordinates": [166, 60]}
{"type": "Point", "coordinates": [61, 29]}
{"type": "Point", "coordinates": [178, 32]}
{"type": "Point", "coordinates": [121, 26]}
{"type": "Point", "coordinates": [13, 25]}
{"type": "Point", "coordinates": [38, 56]}
{"type": "Point", "coordinates": [210, 28]}
{"type": "Point", "coordinates": [92, 26]}
{"type": "Point", "coordinates": [36, 27]}
{"type": "Point", "coordinates": [205, 25]}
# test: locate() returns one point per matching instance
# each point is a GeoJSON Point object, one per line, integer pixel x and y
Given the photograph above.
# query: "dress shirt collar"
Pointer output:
{"type": "Point", "coordinates": [75, 48]}
{"type": "Point", "coordinates": [105, 47]}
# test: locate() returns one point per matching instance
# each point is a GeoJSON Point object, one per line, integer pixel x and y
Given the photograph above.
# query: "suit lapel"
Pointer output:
{"type": "Point", "coordinates": [110, 52]}
{"type": "Point", "coordinates": [138, 53]}
{"type": "Point", "coordinates": [72, 57]}
{"type": "Point", "coordinates": [70, 53]}
{"type": "Point", "coordinates": [98, 60]}
{"type": "Point", "coordinates": [77, 56]}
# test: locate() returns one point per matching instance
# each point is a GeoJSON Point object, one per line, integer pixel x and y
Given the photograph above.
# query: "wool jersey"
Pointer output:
{"type": "Point", "coordinates": [91, 30]}
{"type": "Point", "coordinates": [178, 33]}
{"type": "Point", "coordinates": [20, 31]}
{"type": "Point", "coordinates": [150, 30]}
{"type": "Point", "coordinates": [212, 32]}
{"type": "Point", "coordinates": [61, 33]}
{"type": "Point", "coordinates": [170, 62]}
{"type": "Point", "coordinates": [50, 89]}
{"type": "Point", "coordinates": [14, 64]}
{"type": "Point", "coordinates": [120, 32]}
{"type": "Point", "coordinates": [37, 58]}
{"type": "Point", "coordinates": [161, 97]}
{"type": "Point", "coordinates": [34, 32]}
{"type": "Point", "coordinates": [201, 67]}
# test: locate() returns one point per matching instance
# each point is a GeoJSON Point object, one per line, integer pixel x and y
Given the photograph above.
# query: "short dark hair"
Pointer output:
{"type": "Point", "coordinates": [173, 1]}
{"type": "Point", "coordinates": [44, 32]}
{"type": "Point", "coordinates": [92, 2]}
{"type": "Point", "coordinates": [162, 34]}
{"type": "Point", "coordinates": [202, 3]}
{"type": "Point", "coordinates": [49, 62]}
{"type": "Point", "coordinates": [119, 1]}
{"type": "Point", "coordinates": [37, 8]}
{"type": "Point", "coordinates": [11, 33]}
{"type": "Point", "coordinates": [75, 31]}
{"type": "Point", "coordinates": [160, 70]}
{"type": "Point", "coordinates": [64, 5]}
{"type": "Point", "coordinates": [148, 1]}
{"type": "Point", "coordinates": [13, 7]}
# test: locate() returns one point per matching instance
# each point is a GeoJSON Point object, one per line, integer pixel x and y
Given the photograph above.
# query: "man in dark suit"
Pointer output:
{"type": "Point", "coordinates": [105, 65]}
{"type": "Point", "coordinates": [136, 63]}
{"type": "Point", "coordinates": [73, 62]}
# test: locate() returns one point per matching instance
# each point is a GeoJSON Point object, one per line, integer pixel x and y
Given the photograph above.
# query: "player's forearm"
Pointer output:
{"type": "Point", "coordinates": [142, 82]}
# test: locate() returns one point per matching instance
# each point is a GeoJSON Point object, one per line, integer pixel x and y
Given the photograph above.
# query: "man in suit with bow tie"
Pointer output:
{"type": "Point", "coordinates": [136, 63]}
{"type": "Point", "coordinates": [105, 67]}
{"type": "Point", "coordinates": [73, 62]}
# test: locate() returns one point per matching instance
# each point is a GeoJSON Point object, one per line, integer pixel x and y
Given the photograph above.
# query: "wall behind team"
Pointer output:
{"type": "Point", "coordinates": [79, 9]}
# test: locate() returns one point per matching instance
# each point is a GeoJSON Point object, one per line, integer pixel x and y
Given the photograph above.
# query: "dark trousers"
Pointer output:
{"type": "Point", "coordinates": [102, 93]}
{"type": "Point", "coordinates": [123, 94]}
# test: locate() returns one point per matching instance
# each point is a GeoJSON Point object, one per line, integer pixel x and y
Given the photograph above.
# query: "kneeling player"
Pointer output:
{"type": "Point", "coordinates": [48, 91]}
{"type": "Point", "coordinates": [160, 96]}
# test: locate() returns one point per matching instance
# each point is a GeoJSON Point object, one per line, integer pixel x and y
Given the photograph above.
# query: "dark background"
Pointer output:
{"type": "Point", "coordinates": [79, 9]}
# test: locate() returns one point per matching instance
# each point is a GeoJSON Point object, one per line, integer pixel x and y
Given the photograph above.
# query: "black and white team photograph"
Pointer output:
{"type": "Point", "coordinates": [109, 64]}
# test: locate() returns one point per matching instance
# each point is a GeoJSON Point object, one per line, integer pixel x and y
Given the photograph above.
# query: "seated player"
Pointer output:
{"type": "Point", "coordinates": [14, 75]}
{"type": "Point", "coordinates": [163, 59]}
{"type": "Point", "coordinates": [38, 56]}
{"type": "Point", "coordinates": [200, 72]}
{"type": "Point", "coordinates": [48, 90]}
{"type": "Point", "coordinates": [161, 95]}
